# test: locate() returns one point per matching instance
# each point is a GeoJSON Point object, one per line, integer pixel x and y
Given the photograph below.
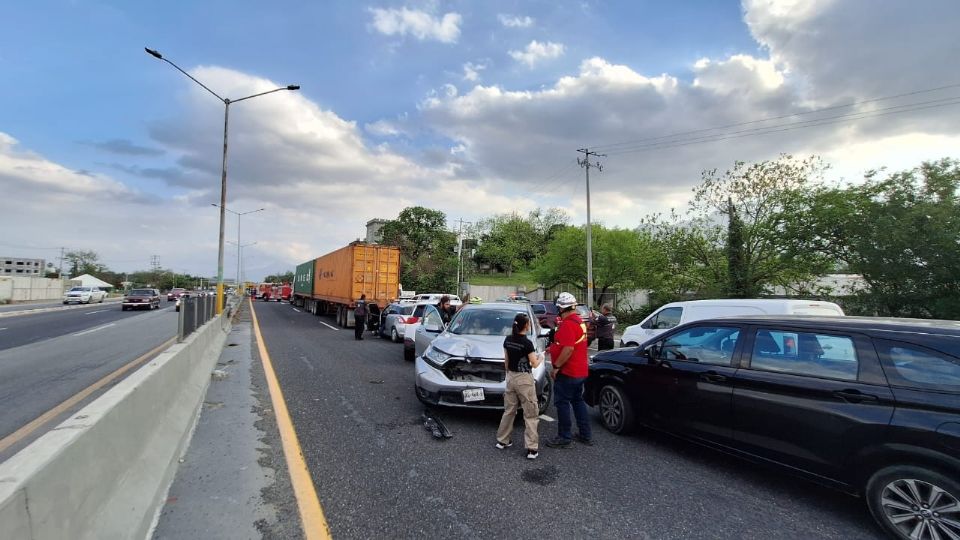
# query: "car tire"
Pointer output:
{"type": "Point", "coordinates": [632, 344]}
{"type": "Point", "coordinates": [545, 398]}
{"type": "Point", "coordinates": [394, 337]}
{"type": "Point", "coordinates": [101, 300]}
{"type": "Point", "coordinates": [616, 411]}
{"type": "Point", "coordinates": [893, 489]}
{"type": "Point", "coordinates": [123, 308]}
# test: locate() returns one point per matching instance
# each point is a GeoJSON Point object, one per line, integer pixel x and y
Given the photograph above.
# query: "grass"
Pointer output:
{"type": "Point", "coordinates": [524, 279]}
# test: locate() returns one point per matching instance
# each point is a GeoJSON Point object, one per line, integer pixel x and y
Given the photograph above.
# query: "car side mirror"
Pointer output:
{"type": "Point", "coordinates": [650, 352]}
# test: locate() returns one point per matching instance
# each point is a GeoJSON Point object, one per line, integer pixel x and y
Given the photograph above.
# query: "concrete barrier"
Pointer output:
{"type": "Point", "coordinates": [104, 472]}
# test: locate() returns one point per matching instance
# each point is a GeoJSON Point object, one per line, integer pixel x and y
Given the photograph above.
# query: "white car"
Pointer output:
{"type": "Point", "coordinates": [84, 295]}
{"type": "Point", "coordinates": [676, 313]}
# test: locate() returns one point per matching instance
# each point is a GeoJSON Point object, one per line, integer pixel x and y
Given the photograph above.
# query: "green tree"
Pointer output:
{"type": "Point", "coordinates": [83, 262]}
{"type": "Point", "coordinates": [901, 233]}
{"type": "Point", "coordinates": [738, 270]}
{"type": "Point", "coordinates": [690, 258]}
{"type": "Point", "coordinates": [428, 260]}
{"type": "Point", "coordinates": [508, 242]}
{"type": "Point", "coordinates": [622, 259]}
{"type": "Point", "coordinates": [286, 277]}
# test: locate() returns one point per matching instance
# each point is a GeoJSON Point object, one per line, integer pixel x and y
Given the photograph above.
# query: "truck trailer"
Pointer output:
{"type": "Point", "coordinates": [331, 284]}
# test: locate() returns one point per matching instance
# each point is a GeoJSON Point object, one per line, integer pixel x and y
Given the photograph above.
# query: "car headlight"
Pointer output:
{"type": "Point", "coordinates": [436, 356]}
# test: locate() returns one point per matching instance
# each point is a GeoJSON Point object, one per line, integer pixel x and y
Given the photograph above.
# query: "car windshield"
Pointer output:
{"type": "Point", "coordinates": [79, 289]}
{"type": "Point", "coordinates": [584, 311]}
{"type": "Point", "coordinates": [483, 322]}
{"type": "Point", "coordinates": [141, 292]}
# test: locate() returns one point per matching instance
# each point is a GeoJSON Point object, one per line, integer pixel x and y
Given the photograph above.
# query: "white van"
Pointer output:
{"type": "Point", "coordinates": [676, 313]}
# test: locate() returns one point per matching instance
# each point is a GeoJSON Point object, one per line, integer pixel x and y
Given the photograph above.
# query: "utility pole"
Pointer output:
{"type": "Point", "coordinates": [585, 163]}
{"type": "Point", "coordinates": [460, 251]}
{"type": "Point", "coordinates": [60, 271]}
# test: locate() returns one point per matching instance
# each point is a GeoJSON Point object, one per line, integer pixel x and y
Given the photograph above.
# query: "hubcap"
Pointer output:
{"type": "Point", "coordinates": [611, 410]}
{"type": "Point", "coordinates": [921, 510]}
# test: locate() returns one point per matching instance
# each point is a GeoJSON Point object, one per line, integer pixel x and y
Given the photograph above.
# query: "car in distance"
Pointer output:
{"type": "Point", "coordinates": [462, 365]}
{"type": "Point", "coordinates": [675, 313]}
{"type": "Point", "coordinates": [141, 299]}
{"type": "Point", "coordinates": [393, 321]}
{"type": "Point", "coordinates": [867, 405]}
{"type": "Point", "coordinates": [175, 293]}
{"type": "Point", "coordinates": [84, 295]}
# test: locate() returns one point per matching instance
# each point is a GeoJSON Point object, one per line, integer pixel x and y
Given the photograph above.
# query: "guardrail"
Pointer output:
{"type": "Point", "coordinates": [195, 311]}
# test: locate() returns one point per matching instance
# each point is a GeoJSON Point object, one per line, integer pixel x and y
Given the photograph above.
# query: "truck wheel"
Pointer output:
{"type": "Point", "coordinates": [906, 498]}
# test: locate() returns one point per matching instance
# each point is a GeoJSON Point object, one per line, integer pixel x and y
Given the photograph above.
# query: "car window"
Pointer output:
{"type": "Point", "coordinates": [483, 322]}
{"type": "Point", "coordinates": [407, 310]}
{"type": "Point", "coordinates": [432, 317]}
{"type": "Point", "coordinates": [141, 292]}
{"type": "Point", "coordinates": [538, 309]}
{"type": "Point", "coordinates": [704, 344]}
{"type": "Point", "coordinates": [418, 310]}
{"type": "Point", "coordinates": [805, 353]}
{"type": "Point", "coordinates": [913, 366]}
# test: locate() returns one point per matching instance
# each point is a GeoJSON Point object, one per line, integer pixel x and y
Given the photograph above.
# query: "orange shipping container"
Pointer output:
{"type": "Point", "coordinates": [341, 276]}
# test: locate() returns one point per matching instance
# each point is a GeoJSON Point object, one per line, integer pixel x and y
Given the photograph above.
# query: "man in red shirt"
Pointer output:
{"type": "Point", "coordinates": [568, 355]}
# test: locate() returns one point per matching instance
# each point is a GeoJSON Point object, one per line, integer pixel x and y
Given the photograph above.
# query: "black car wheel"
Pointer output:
{"type": "Point", "coordinates": [616, 412]}
{"type": "Point", "coordinates": [546, 396]}
{"type": "Point", "coordinates": [915, 503]}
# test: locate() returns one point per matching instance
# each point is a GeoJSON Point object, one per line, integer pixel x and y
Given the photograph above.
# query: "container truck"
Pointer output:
{"type": "Point", "coordinates": [331, 284]}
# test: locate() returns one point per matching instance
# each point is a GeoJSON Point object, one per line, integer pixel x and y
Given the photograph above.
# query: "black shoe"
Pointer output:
{"type": "Point", "coordinates": [557, 442]}
{"type": "Point", "coordinates": [583, 440]}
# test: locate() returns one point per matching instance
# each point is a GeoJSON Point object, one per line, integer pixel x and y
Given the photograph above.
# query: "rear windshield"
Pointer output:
{"type": "Point", "coordinates": [407, 310]}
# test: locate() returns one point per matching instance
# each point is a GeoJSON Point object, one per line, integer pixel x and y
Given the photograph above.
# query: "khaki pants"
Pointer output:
{"type": "Point", "coordinates": [521, 392]}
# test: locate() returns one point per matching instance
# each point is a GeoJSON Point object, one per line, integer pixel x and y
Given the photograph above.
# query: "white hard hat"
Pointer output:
{"type": "Point", "coordinates": [566, 300]}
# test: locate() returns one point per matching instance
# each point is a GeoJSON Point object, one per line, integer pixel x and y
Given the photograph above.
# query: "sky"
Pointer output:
{"type": "Point", "coordinates": [472, 108]}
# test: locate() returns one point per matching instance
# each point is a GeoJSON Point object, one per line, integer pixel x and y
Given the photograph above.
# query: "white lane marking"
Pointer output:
{"type": "Point", "coordinates": [546, 418]}
{"type": "Point", "coordinates": [328, 326]}
{"type": "Point", "coordinates": [297, 310]}
{"type": "Point", "coordinates": [2, 328]}
{"type": "Point", "coordinates": [94, 329]}
{"type": "Point", "coordinates": [97, 311]}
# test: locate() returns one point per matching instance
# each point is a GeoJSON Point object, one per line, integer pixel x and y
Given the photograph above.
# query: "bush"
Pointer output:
{"type": "Point", "coordinates": [627, 317]}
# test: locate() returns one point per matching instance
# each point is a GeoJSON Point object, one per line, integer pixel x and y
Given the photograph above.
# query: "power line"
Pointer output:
{"type": "Point", "coordinates": [785, 127]}
{"type": "Point", "coordinates": [610, 146]}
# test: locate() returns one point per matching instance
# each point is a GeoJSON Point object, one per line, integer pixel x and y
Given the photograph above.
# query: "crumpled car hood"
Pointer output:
{"type": "Point", "coordinates": [488, 347]}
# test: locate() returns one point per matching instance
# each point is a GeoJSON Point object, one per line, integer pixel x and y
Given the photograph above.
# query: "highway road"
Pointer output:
{"type": "Point", "coordinates": [48, 358]}
{"type": "Point", "coordinates": [379, 473]}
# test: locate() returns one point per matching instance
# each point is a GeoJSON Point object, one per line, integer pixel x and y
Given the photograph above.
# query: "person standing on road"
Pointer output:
{"type": "Point", "coordinates": [568, 354]}
{"type": "Point", "coordinates": [446, 310]}
{"type": "Point", "coordinates": [606, 324]}
{"type": "Point", "coordinates": [360, 317]}
{"type": "Point", "coordinates": [520, 359]}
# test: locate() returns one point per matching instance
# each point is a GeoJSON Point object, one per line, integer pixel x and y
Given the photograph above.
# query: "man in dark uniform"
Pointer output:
{"type": "Point", "coordinates": [360, 317]}
{"type": "Point", "coordinates": [606, 324]}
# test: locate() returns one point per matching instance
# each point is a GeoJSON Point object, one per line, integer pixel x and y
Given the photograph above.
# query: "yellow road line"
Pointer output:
{"type": "Point", "coordinates": [38, 422]}
{"type": "Point", "coordinates": [311, 513]}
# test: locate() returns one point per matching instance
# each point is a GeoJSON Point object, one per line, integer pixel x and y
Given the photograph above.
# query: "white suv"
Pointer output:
{"type": "Point", "coordinates": [84, 295]}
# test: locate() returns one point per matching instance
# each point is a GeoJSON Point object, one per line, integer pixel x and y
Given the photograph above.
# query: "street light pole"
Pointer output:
{"type": "Point", "coordinates": [239, 215]}
{"type": "Point", "coordinates": [223, 171]}
{"type": "Point", "coordinates": [240, 256]}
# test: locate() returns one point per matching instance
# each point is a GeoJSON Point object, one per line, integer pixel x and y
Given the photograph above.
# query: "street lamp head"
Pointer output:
{"type": "Point", "coordinates": [153, 53]}
{"type": "Point", "coordinates": [289, 86]}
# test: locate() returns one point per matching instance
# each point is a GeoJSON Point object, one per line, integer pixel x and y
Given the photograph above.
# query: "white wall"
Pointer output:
{"type": "Point", "coordinates": [30, 289]}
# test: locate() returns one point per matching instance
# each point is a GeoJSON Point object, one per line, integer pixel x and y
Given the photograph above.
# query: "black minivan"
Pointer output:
{"type": "Point", "coordinates": [867, 405]}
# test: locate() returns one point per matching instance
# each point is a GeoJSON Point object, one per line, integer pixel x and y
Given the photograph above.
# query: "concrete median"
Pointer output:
{"type": "Point", "coordinates": [104, 472]}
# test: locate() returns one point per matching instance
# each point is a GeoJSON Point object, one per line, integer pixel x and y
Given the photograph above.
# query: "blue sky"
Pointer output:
{"type": "Point", "coordinates": [469, 107]}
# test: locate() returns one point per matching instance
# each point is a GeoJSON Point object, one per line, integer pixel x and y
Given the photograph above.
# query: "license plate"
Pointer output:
{"type": "Point", "coordinates": [473, 394]}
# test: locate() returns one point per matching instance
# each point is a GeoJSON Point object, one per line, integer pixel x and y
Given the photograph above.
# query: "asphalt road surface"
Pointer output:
{"type": "Point", "coordinates": [379, 473]}
{"type": "Point", "coordinates": [46, 358]}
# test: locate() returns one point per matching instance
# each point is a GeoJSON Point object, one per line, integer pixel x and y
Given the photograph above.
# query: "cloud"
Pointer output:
{"type": "Point", "coordinates": [382, 128]}
{"type": "Point", "coordinates": [471, 71]}
{"type": "Point", "coordinates": [515, 21]}
{"type": "Point", "coordinates": [419, 24]}
{"type": "Point", "coordinates": [535, 51]}
{"type": "Point", "coordinates": [125, 147]}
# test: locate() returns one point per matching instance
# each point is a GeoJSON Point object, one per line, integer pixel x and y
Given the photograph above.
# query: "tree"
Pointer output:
{"type": "Point", "coordinates": [508, 242]}
{"type": "Point", "coordinates": [691, 262]}
{"type": "Point", "coordinates": [83, 262]}
{"type": "Point", "coordinates": [286, 277]}
{"type": "Point", "coordinates": [901, 233]}
{"type": "Point", "coordinates": [622, 259]}
{"type": "Point", "coordinates": [738, 271]}
{"type": "Point", "coordinates": [428, 260]}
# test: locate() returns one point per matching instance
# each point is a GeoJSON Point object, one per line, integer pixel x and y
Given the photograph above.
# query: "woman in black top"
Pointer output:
{"type": "Point", "coordinates": [519, 359]}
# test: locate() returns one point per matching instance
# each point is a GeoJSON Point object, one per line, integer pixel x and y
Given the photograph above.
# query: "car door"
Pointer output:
{"type": "Point", "coordinates": [686, 385]}
{"type": "Point", "coordinates": [808, 397]}
{"type": "Point", "coordinates": [428, 331]}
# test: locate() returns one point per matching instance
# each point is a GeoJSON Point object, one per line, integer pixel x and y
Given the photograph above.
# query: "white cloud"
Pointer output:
{"type": "Point", "coordinates": [383, 128]}
{"type": "Point", "coordinates": [471, 71]}
{"type": "Point", "coordinates": [536, 51]}
{"type": "Point", "coordinates": [515, 21]}
{"type": "Point", "coordinates": [419, 24]}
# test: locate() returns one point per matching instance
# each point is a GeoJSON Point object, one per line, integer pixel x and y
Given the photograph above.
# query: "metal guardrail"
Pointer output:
{"type": "Point", "coordinates": [195, 311]}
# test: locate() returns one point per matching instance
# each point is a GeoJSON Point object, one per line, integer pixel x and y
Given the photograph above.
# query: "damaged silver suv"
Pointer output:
{"type": "Point", "coordinates": [461, 365]}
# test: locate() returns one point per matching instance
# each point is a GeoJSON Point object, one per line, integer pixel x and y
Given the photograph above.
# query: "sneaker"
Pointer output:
{"type": "Point", "coordinates": [583, 440]}
{"type": "Point", "coordinates": [532, 454]}
{"type": "Point", "coordinates": [501, 446]}
{"type": "Point", "coordinates": [557, 442]}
